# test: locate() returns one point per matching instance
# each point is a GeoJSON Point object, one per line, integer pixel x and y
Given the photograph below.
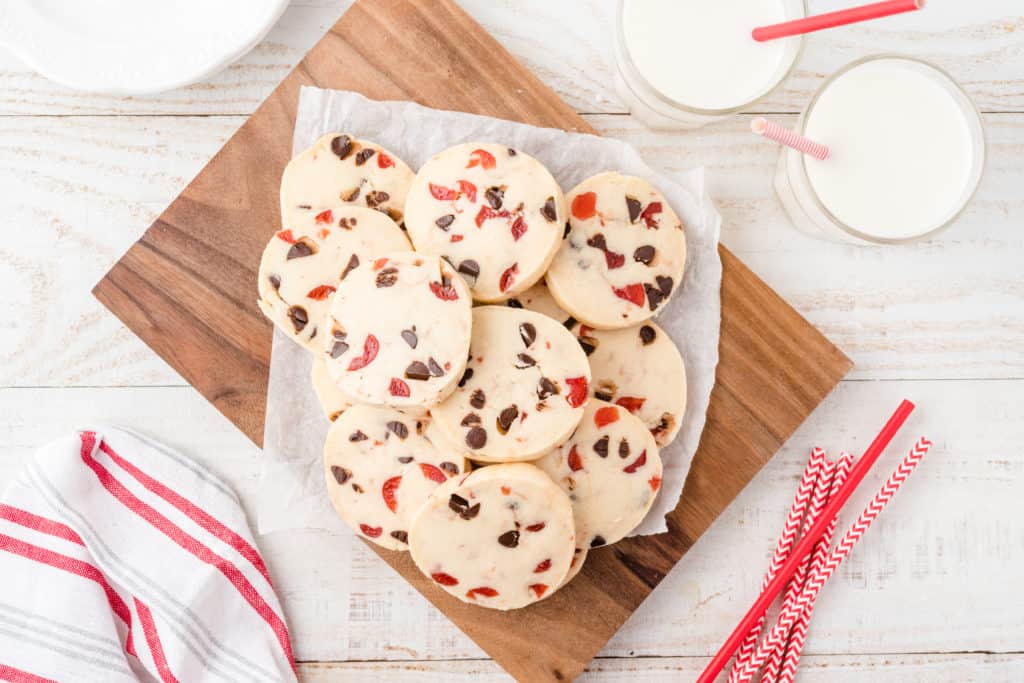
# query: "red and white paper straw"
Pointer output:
{"type": "Point", "coordinates": [843, 17]}
{"type": "Point", "coordinates": [784, 136]}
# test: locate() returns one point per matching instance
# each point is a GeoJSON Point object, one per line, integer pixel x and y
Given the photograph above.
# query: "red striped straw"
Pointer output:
{"type": "Point", "coordinates": [791, 613]}
{"type": "Point", "coordinates": [774, 131]}
{"type": "Point", "coordinates": [782, 549]}
{"type": "Point", "coordinates": [853, 15]}
{"type": "Point", "coordinates": [821, 553]}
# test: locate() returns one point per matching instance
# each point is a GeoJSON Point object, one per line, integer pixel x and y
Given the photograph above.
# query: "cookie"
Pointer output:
{"type": "Point", "coordinates": [331, 398]}
{"type": "Point", "coordinates": [523, 389]}
{"type": "Point", "coordinates": [301, 265]}
{"type": "Point", "coordinates": [500, 537]}
{"type": "Point", "coordinates": [611, 471]}
{"type": "Point", "coordinates": [624, 253]}
{"type": "Point", "coordinates": [638, 368]}
{"type": "Point", "coordinates": [381, 466]}
{"type": "Point", "coordinates": [495, 214]}
{"type": "Point", "coordinates": [576, 566]}
{"type": "Point", "coordinates": [398, 331]}
{"type": "Point", "coordinates": [341, 169]}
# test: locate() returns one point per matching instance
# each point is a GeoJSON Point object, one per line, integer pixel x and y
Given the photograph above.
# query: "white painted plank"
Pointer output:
{"type": "Point", "coordinates": [568, 45]}
{"type": "Point", "coordinates": [931, 576]}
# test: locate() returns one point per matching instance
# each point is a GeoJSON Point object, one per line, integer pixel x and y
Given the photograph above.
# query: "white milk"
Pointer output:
{"type": "Point", "coordinates": [700, 54]}
{"type": "Point", "coordinates": [906, 152]}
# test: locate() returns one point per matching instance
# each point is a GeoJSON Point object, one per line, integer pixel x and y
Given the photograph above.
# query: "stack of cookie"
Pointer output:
{"type": "Point", "coordinates": [497, 443]}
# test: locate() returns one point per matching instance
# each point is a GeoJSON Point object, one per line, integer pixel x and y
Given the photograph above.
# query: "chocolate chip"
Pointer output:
{"type": "Point", "coordinates": [338, 333]}
{"type": "Point", "coordinates": [664, 284]}
{"type": "Point", "coordinates": [601, 446]}
{"type": "Point", "coordinates": [528, 333]}
{"type": "Point", "coordinates": [376, 198]}
{"type": "Point", "coordinates": [445, 221]}
{"type": "Point", "coordinates": [352, 263]}
{"type": "Point", "coordinates": [545, 388]}
{"type": "Point", "coordinates": [387, 277]}
{"type": "Point", "coordinates": [633, 206]}
{"type": "Point", "coordinates": [342, 146]}
{"type": "Point", "coordinates": [470, 419]}
{"type": "Point", "coordinates": [478, 399]}
{"type": "Point", "coordinates": [451, 468]}
{"type": "Point", "coordinates": [644, 254]}
{"type": "Point", "coordinates": [623, 448]}
{"type": "Point", "coordinates": [364, 154]}
{"type": "Point", "coordinates": [398, 429]}
{"type": "Point", "coordinates": [405, 459]}
{"type": "Point", "coordinates": [525, 360]}
{"type": "Point", "coordinates": [351, 196]}
{"type": "Point", "coordinates": [466, 376]}
{"type": "Point", "coordinates": [400, 536]}
{"type": "Point", "coordinates": [435, 368]}
{"type": "Point", "coordinates": [647, 335]}
{"type": "Point", "coordinates": [476, 437]}
{"type": "Point", "coordinates": [338, 349]}
{"type": "Point", "coordinates": [548, 210]}
{"type": "Point", "coordinates": [418, 371]}
{"type": "Point", "coordinates": [654, 296]}
{"type": "Point", "coordinates": [569, 323]}
{"type": "Point", "coordinates": [419, 427]}
{"type": "Point", "coordinates": [470, 268]}
{"type": "Point", "coordinates": [511, 152]}
{"type": "Point", "coordinates": [460, 505]}
{"type": "Point", "coordinates": [514, 303]}
{"type": "Point", "coordinates": [589, 344]}
{"type": "Point", "coordinates": [509, 539]}
{"type": "Point", "coordinates": [341, 475]}
{"type": "Point", "coordinates": [302, 248]}
{"type": "Point", "coordinates": [357, 435]}
{"type": "Point", "coordinates": [357, 488]}
{"type": "Point", "coordinates": [664, 425]}
{"type": "Point", "coordinates": [598, 242]}
{"type": "Point", "coordinates": [506, 418]}
{"type": "Point", "coordinates": [602, 396]}
{"type": "Point", "coordinates": [494, 196]}
{"type": "Point", "coordinates": [275, 282]}
{"type": "Point", "coordinates": [299, 317]}
{"type": "Point", "coordinates": [597, 542]}
{"type": "Point", "coordinates": [410, 338]}
{"type": "Point", "coordinates": [568, 229]}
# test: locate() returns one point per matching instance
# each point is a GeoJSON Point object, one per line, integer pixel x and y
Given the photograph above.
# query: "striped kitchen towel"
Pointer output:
{"type": "Point", "coordinates": [122, 560]}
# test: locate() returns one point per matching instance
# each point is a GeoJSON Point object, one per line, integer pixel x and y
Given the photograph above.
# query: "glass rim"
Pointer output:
{"type": "Point", "coordinates": [955, 86]}
{"type": "Point", "coordinates": [625, 60]}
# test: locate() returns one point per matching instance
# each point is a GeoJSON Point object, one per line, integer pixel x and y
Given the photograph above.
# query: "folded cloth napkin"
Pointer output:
{"type": "Point", "coordinates": [122, 560]}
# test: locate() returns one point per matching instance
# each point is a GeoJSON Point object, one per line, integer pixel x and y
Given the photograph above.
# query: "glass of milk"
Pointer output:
{"type": "Point", "coordinates": [686, 63]}
{"type": "Point", "coordinates": [906, 147]}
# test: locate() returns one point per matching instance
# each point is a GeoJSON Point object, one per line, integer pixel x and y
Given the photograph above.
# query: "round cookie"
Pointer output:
{"type": "Point", "coordinates": [341, 169]}
{"type": "Point", "coordinates": [301, 265]}
{"type": "Point", "coordinates": [331, 398]}
{"type": "Point", "coordinates": [496, 214]}
{"type": "Point", "coordinates": [500, 537]}
{"type": "Point", "coordinates": [399, 329]}
{"type": "Point", "coordinates": [523, 390]}
{"type": "Point", "coordinates": [638, 368]}
{"type": "Point", "coordinates": [381, 466]}
{"type": "Point", "coordinates": [623, 256]}
{"type": "Point", "coordinates": [611, 471]}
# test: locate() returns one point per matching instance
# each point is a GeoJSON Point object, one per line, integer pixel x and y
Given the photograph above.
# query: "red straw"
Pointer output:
{"type": "Point", "coordinates": [784, 136]}
{"type": "Point", "coordinates": [806, 544]}
{"type": "Point", "coordinates": [843, 17]}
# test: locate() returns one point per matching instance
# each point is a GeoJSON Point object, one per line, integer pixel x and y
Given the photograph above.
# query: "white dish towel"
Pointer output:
{"type": "Point", "coordinates": [122, 560]}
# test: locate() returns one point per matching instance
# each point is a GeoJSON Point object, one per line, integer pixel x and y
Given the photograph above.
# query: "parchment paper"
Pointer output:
{"type": "Point", "coordinates": [293, 493]}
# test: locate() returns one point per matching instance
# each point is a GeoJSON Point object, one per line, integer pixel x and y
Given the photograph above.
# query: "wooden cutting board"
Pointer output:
{"type": "Point", "coordinates": [188, 288]}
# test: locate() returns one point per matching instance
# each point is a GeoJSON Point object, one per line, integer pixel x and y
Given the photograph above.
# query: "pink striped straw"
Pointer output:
{"type": "Point", "coordinates": [817, 580]}
{"type": "Point", "coordinates": [818, 501]}
{"type": "Point", "coordinates": [774, 131]}
{"type": "Point", "coordinates": [782, 548]}
{"type": "Point", "coordinates": [821, 551]}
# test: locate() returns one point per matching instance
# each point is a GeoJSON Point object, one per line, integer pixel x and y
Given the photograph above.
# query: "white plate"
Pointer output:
{"type": "Point", "coordinates": [131, 47]}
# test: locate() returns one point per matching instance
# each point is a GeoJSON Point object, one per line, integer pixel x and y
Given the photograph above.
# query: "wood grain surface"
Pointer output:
{"type": "Point", "coordinates": [187, 288]}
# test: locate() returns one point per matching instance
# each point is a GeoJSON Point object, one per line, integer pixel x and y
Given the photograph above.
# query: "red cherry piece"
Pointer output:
{"type": "Point", "coordinates": [442, 193]}
{"type": "Point", "coordinates": [286, 235]}
{"type": "Point", "coordinates": [443, 292]}
{"type": "Point", "coordinates": [398, 388]}
{"type": "Point", "coordinates": [630, 403]}
{"type": "Point", "coordinates": [634, 294]}
{"type": "Point", "coordinates": [542, 567]}
{"type": "Point", "coordinates": [384, 161]}
{"type": "Point", "coordinates": [577, 391]}
{"type": "Point", "coordinates": [518, 228]}
{"type": "Point", "coordinates": [320, 293]}
{"type": "Point", "coordinates": [606, 416]}
{"type": "Point", "coordinates": [433, 473]}
{"type": "Point", "coordinates": [505, 490]}
{"type": "Point", "coordinates": [389, 490]}
{"type": "Point", "coordinates": [371, 531]}
{"type": "Point", "coordinates": [614, 260]}
{"type": "Point", "coordinates": [584, 205]}
{"type": "Point", "coordinates": [482, 158]}
{"type": "Point", "coordinates": [456, 238]}
{"type": "Point", "coordinates": [370, 348]}
{"type": "Point", "coordinates": [444, 579]}
{"type": "Point", "coordinates": [655, 482]}
{"type": "Point", "coordinates": [325, 217]}
{"type": "Point", "coordinates": [536, 527]}
{"type": "Point", "coordinates": [636, 464]}
{"type": "Point", "coordinates": [324, 232]}
{"type": "Point", "coordinates": [575, 463]}
{"type": "Point", "coordinates": [539, 589]}
{"type": "Point", "coordinates": [484, 591]}
{"type": "Point", "coordinates": [379, 263]}
{"type": "Point", "coordinates": [469, 189]}
{"type": "Point", "coordinates": [649, 213]}
{"type": "Point", "coordinates": [508, 277]}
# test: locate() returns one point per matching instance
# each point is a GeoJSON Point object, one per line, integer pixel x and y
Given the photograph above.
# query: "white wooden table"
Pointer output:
{"type": "Point", "coordinates": [932, 594]}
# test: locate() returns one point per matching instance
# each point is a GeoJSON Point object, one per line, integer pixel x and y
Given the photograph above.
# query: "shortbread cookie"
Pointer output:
{"type": "Point", "coordinates": [523, 390]}
{"type": "Point", "coordinates": [301, 265]}
{"type": "Point", "coordinates": [381, 466]}
{"type": "Point", "coordinates": [332, 399]}
{"type": "Point", "coordinates": [623, 256]}
{"type": "Point", "coordinates": [501, 537]}
{"type": "Point", "coordinates": [398, 331]}
{"type": "Point", "coordinates": [341, 169]}
{"type": "Point", "coordinates": [497, 215]}
{"type": "Point", "coordinates": [611, 471]}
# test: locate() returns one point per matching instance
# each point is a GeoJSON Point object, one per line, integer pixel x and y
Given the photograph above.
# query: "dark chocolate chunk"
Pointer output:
{"type": "Point", "coordinates": [528, 333]}
{"type": "Point", "coordinates": [418, 371]}
{"type": "Point", "coordinates": [410, 338]}
{"type": "Point", "coordinates": [400, 536]}
{"type": "Point", "coordinates": [525, 360]}
{"type": "Point", "coordinates": [633, 206]}
{"type": "Point", "coordinates": [623, 448]}
{"type": "Point", "coordinates": [469, 268]}
{"type": "Point", "coordinates": [602, 395]}
{"type": "Point", "coordinates": [341, 475]}
{"type": "Point", "coordinates": [357, 435]}
{"type": "Point", "coordinates": [548, 210]}
{"type": "Point", "coordinates": [351, 196]}
{"type": "Point", "coordinates": [451, 468]}
{"type": "Point", "coordinates": [405, 459]}
{"type": "Point", "coordinates": [476, 437]}
{"type": "Point", "coordinates": [511, 152]}
{"type": "Point", "coordinates": [398, 429]}
{"type": "Point", "coordinates": [545, 388]}
{"type": "Point", "coordinates": [338, 349]}
{"type": "Point", "coordinates": [387, 277]}
{"type": "Point", "coordinates": [664, 284]}
{"type": "Point", "coordinates": [478, 400]}
{"type": "Point", "coordinates": [644, 254]}
{"type": "Point", "coordinates": [569, 322]}
{"type": "Point", "coordinates": [470, 419]}
{"type": "Point", "coordinates": [302, 248]}
{"type": "Point", "coordinates": [589, 344]}
{"type": "Point", "coordinates": [342, 146]}
{"type": "Point", "coordinates": [647, 335]}
{"type": "Point", "coordinates": [494, 196]}
{"type": "Point", "coordinates": [435, 368]}
{"type": "Point", "coordinates": [597, 542]}
{"type": "Point", "coordinates": [654, 296]}
{"type": "Point", "coordinates": [568, 229]}
{"type": "Point", "coordinates": [466, 376]}
{"type": "Point", "coordinates": [514, 303]}
{"type": "Point", "coordinates": [352, 263]}
{"type": "Point", "coordinates": [506, 418]}
{"type": "Point", "coordinates": [445, 221]}
{"type": "Point", "coordinates": [376, 198]}
{"type": "Point", "coordinates": [460, 505]}
{"type": "Point", "coordinates": [509, 539]}
{"type": "Point", "coordinates": [357, 488]}
{"type": "Point", "coordinates": [299, 317]}
{"type": "Point", "coordinates": [364, 154]}
{"type": "Point", "coordinates": [601, 446]}
{"type": "Point", "coordinates": [275, 281]}
{"type": "Point", "coordinates": [598, 242]}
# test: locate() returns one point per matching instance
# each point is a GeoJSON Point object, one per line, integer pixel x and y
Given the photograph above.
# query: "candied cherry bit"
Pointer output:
{"type": "Point", "coordinates": [636, 464]}
{"type": "Point", "coordinates": [485, 591]}
{"type": "Point", "coordinates": [442, 193]}
{"type": "Point", "coordinates": [605, 416]}
{"type": "Point", "coordinates": [389, 491]}
{"type": "Point", "coordinates": [614, 260]}
{"type": "Point", "coordinates": [508, 277]}
{"type": "Point", "coordinates": [398, 388]}
{"type": "Point", "coordinates": [320, 293]}
{"type": "Point", "coordinates": [325, 217]}
{"type": "Point", "coordinates": [469, 189]}
{"type": "Point", "coordinates": [649, 214]}
{"type": "Point", "coordinates": [655, 482]}
{"type": "Point", "coordinates": [634, 294]}
{"type": "Point", "coordinates": [371, 531]}
{"type": "Point", "coordinates": [539, 589]}
{"type": "Point", "coordinates": [379, 263]}
{"type": "Point", "coordinates": [456, 238]}
{"type": "Point", "coordinates": [370, 348]}
{"type": "Point", "coordinates": [286, 235]}
{"type": "Point", "coordinates": [384, 161]}
{"type": "Point", "coordinates": [444, 579]}
{"type": "Point", "coordinates": [444, 292]}
{"type": "Point", "coordinates": [543, 566]}
{"type": "Point", "coordinates": [574, 461]}
{"type": "Point", "coordinates": [630, 403]}
{"type": "Point", "coordinates": [536, 527]}
{"type": "Point", "coordinates": [577, 391]}
{"type": "Point", "coordinates": [584, 205]}
{"type": "Point", "coordinates": [482, 158]}
{"type": "Point", "coordinates": [433, 473]}
{"type": "Point", "coordinates": [518, 228]}
{"type": "Point", "coordinates": [505, 490]}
